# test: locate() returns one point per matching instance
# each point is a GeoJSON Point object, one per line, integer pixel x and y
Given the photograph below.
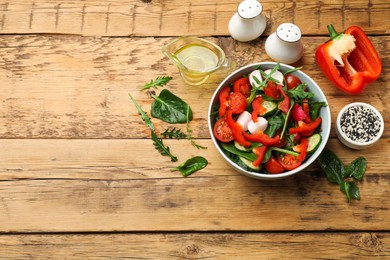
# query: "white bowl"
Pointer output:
{"type": "Point", "coordinates": [312, 86]}
{"type": "Point", "coordinates": [362, 132]}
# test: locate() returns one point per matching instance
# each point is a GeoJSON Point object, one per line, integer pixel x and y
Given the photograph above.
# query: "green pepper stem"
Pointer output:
{"type": "Point", "coordinates": [332, 32]}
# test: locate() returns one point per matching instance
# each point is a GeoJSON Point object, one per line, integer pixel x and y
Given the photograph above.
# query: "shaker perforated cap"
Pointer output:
{"type": "Point", "coordinates": [249, 9]}
{"type": "Point", "coordinates": [288, 32]}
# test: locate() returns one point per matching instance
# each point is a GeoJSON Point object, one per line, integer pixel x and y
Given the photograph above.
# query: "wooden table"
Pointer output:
{"type": "Point", "coordinates": [80, 177]}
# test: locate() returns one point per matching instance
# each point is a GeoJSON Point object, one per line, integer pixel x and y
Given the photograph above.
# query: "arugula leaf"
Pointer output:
{"type": "Point", "coordinates": [170, 108]}
{"type": "Point", "coordinates": [173, 133]}
{"type": "Point", "coordinates": [332, 166]}
{"type": "Point", "coordinates": [292, 70]}
{"type": "Point", "coordinates": [143, 114]}
{"type": "Point", "coordinates": [159, 145]}
{"type": "Point", "coordinates": [292, 103]}
{"type": "Point", "coordinates": [191, 165]}
{"type": "Point", "coordinates": [299, 93]}
{"type": "Point", "coordinates": [267, 77]}
{"type": "Point", "coordinates": [315, 108]}
{"type": "Point", "coordinates": [356, 168]}
{"type": "Point", "coordinates": [274, 123]}
{"type": "Point", "coordinates": [189, 131]}
{"type": "Point", "coordinates": [158, 82]}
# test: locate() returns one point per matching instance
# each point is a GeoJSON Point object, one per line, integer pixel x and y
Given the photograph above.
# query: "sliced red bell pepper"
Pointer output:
{"type": "Point", "coordinates": [236, 128]}
{"type": "Point", "coordinates": [260, 152]}
{"type": "Point", "coordinates": [223, 101]}
{"type": "Point", "coordinates": [271, 90]}
{"type": "Point", "coordinates": [262, 138]}
{"type": "Point", "coordinates": [349, 60]}
{"type": "Point", "coordinates": [258, 108]}
{"type": "Point", "coordinates": [305, 128]}
{"type": "Point", "coordinates": [302, 149]}
{"type": "Point", "coordinates": [284, 105]}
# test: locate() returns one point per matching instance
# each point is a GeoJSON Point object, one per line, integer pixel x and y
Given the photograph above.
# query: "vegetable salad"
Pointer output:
{"type": "Point", "coordinates": [268, 121]}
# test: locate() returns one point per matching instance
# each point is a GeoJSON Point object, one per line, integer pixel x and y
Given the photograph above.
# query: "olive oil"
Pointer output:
{"type": "Point", "coordinates": [198, 58]}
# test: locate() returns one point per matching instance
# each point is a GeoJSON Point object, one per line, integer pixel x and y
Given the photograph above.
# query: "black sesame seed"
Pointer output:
{"type": "Point", "coordinates": [360, 124]}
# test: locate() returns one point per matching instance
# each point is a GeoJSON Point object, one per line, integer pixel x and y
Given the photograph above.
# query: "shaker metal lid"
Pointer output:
{"type": "Point", "coordinates": [288, 32]}
{"type": "Point", "coordinates": [249, 9]}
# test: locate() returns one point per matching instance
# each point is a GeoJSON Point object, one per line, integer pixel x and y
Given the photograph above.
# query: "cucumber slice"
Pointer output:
{"type": "Point", "coordinates": [314, 142]}
{"type": "Point", "coordinates": [242, 148]}
{"type": "Point", "coordinates": [246, 149]}
{"type": "Point", "coordinates": [270, 107]}
{"type": "Point", "coordinates": [249, 164]}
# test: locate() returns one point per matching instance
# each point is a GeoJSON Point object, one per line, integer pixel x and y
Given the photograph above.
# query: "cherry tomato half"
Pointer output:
{"type": "Point", "coordinates": [271, 90]}
{"type": "Point", "coordinates": [273, 166]}
{"type": "Point", "coordinates": [292, 81]}
{"type": "Point", "coordinates": [222, 131]}
{"type": "Point", "coordinates": [243, 86]}
{"type": "Point", "coordinates": [288, 161]}
{"type": "Point", "coordinates": [237, 102]}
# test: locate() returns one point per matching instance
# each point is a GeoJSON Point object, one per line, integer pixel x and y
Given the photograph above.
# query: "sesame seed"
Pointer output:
{"type": "Point", "coordinates": [360, 124]}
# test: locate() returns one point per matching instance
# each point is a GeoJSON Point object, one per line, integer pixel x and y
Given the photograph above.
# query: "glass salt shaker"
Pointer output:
{"type": "Point", "coordinates": [285, 44]}
{"type": "Point", "coordinates": [247, 23]}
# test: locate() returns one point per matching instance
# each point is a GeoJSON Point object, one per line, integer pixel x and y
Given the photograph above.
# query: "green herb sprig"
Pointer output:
{"type": "Point", "coordinates": [158, 82]}
{"type": "Point", "coordinates": [345, 177]}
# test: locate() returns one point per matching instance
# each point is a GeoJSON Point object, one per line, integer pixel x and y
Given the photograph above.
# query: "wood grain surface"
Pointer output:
{"type": "Point", "coordinates": [80, 178]}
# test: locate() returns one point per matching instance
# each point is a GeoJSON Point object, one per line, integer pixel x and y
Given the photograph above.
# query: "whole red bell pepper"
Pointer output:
{"type": "Point", "coordinates": [349, 60]}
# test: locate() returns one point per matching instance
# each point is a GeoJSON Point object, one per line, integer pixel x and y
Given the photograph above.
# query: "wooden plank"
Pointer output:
{"type": "Point", "coordinates": [77, 87]}
{"type": "Point", "coordinates": [116, 159]}
{"type": "Point", "coordinates": [104, 186]}
{"type": "Point", "coordinates": [200, 17]}
{"type": "Point", "coordinates": [326, 245]}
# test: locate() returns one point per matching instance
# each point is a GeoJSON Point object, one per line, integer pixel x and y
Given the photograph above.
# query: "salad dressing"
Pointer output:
{"type": "Point", "coordinates": [196, 57]}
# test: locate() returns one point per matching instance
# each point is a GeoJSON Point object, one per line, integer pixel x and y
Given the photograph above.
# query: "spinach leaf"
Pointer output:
{"type": "Point", "coordinates": [350, 190]}
{"type": "Point", "coordinates": [191, 165]}
{"type": "Point", "coordinates": [170, 108]}
{"type": "Point", "coordinates": [356, 168]}
{"type": "Point", "coordinates": [332, 166]}
{"type": "Point", "coordinates": [336, 172]}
